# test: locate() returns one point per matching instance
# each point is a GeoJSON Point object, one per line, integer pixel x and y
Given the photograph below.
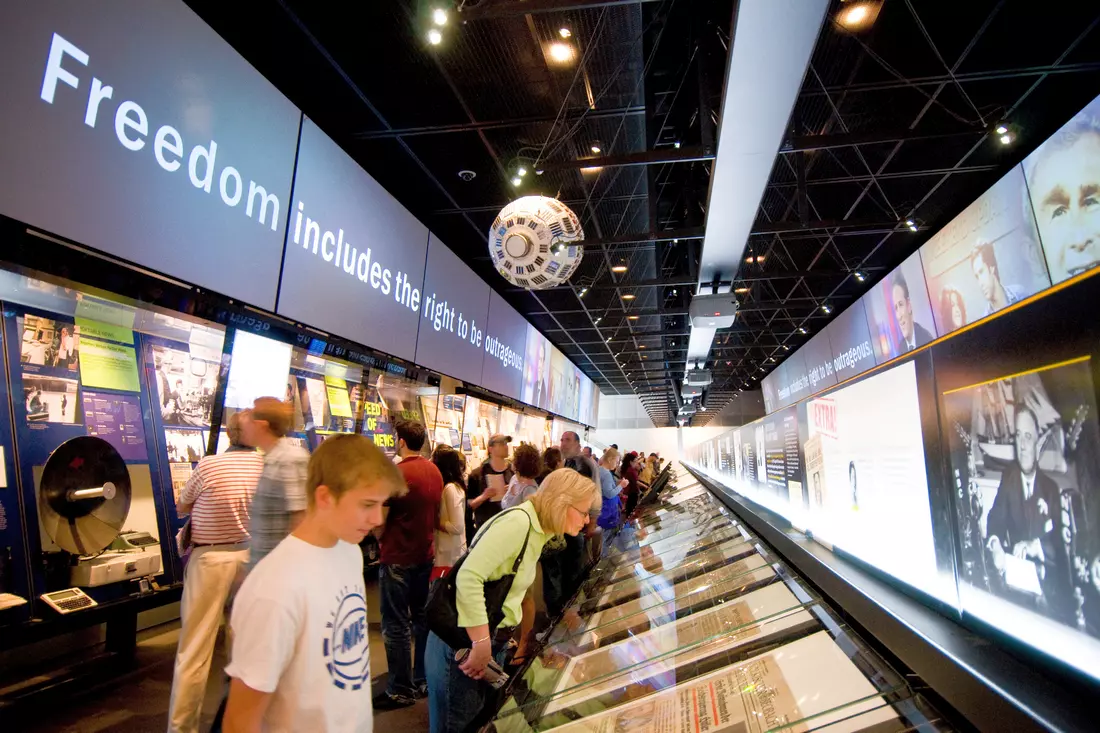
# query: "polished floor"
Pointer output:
{"type": "Point", "coordinates": [137, 702]}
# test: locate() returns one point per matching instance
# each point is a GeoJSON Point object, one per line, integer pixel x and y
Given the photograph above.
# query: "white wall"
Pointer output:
{"type": "Point", "coordinates": [664, 441]}
{"type": "Point", "coordinates": [622, 411]}
{"type": "Point", "coordinates": [695, 436]}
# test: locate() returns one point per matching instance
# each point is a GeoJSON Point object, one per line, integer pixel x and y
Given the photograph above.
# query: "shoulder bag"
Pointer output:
{"type": "Point", "coordinates": [441, 610]}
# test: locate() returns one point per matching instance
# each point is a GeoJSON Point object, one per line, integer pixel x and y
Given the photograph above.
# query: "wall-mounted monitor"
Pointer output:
{"type": "Point", "coordinates": [505, 344]}
{"type": "Point", "coordinates": [260, 367]}
{"type": "Point", "coordinates": [354, 263]}
{"type": "Point", "coordinates": [454, 316]}
{"type": "Point", "coordinates": [135, 129]}
{"type": "Point", "coordinates": [899, 315]}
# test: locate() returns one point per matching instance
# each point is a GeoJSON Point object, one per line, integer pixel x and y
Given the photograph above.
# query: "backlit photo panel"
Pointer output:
{"type": "Point", "coordinates": [1025, 467]}
{"type": "Point", "coordinates": [986, 259]}
{"type": "Point", "coordinates": [1063, 180]}
{"type": "Point", "coordinates": [899, 314]}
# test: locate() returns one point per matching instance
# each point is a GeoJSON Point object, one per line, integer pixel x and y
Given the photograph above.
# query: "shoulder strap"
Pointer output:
{"type": "Point", "coordinates": [523, 550]}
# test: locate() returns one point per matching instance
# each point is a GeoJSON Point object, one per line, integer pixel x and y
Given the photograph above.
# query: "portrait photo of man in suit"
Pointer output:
{"type": "Point", "coordinates": [1024, 521]}
{"type": "Point", "coordinates": [913, 334]}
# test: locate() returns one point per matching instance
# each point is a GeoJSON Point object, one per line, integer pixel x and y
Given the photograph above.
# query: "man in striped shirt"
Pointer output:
{"type": "Point", "coordinates": [217, 496]}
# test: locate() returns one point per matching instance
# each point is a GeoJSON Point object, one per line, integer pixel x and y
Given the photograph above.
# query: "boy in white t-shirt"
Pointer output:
{"type": "Point", "coordinates": [300, 658]}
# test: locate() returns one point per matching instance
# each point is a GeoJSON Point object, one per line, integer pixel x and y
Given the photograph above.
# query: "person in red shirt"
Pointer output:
{"type": "Point", "coordinates": [408, 552]}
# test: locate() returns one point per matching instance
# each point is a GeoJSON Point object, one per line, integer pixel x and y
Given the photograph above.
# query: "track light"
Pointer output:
{"type": "Point", "coordinates": [860, 276]}
{"type": "Point", "coordinates": [439, 16]}
{"type": "Point", "coordinates": [826, 308]}
{"type": "Point", "coordinates": [802, 330]}
{"type": "Point", "coordinates": [435, 37]}
{"type": "Point", "coordinates": [911, 224]}
{"type": "Point", "coordinates": [516, 181]}
{"type": "Point", "coordinates": [521, 171]}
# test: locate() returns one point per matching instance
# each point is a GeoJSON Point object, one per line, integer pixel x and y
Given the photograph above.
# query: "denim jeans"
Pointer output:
{"type": "Point", "coordinates": [404, 590]}
{"type": "Point", "coordinates": [455, 700]}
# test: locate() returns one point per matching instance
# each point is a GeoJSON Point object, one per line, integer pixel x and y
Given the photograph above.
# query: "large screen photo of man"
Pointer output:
{"type": "Point", "coordinates": [1063, 179]}
{"type": "Point", "coordinates": [1025, 458]}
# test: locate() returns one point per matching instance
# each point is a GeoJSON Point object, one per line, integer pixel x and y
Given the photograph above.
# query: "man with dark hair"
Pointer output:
{"type": "Point", "coordinates": [408, 552]}
{"type": "Point", "coordinates": [983, 261]}
{"type": "Point", "coordinates": [1024, 523]}
{"type": "Point", "coordinates": [913, 334]}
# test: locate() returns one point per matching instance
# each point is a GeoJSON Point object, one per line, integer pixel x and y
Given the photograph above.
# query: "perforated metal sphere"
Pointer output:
{"type": "Point", "coordinates": [535, 242]}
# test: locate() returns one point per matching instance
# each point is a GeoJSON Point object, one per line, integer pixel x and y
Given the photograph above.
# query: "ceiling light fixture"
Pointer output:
{"type": "Point", "coordinates": [435, 37]}
{"type": "Point", "coordinates": [516, 181]}
{"type": "Point", "coordinates": [521, 171]}
{"type": "Point", "coordinates": [565, 32]}
{"type": "Point", "coordinates": [619, 268]}
{"type": "Point", "coordinates": [608, 339]}
{"type": "Point", "coordinates": [1001, 129]}
{"type": "Point", "coordinates": [858, 16]}
{"type": "Point", "coordinates": [439, 16]}
{"type": "Point", "coordinates": [595, 149]}
{"type": "Point", "coordinates": [826, 308]}
{"type": "Point", "coordinates": [583, 291]}
{"type": "Point", "coordinates": [771, 358]}
{"type": "Point", "coordinates": [860, 276]}
{"type": "Point", "coordinates": [676, 144]}
{"type": "Point", "coordinates": [1007, 138]}
{"type": "Point", "coordinates": [561, 53]}
{"type": "Point", "coordinates": [802, 330]}
{"type": "Point", "coordinates": [628, 296]}
{"type": "Point", "coordinates": [786, 348]}
{"type": "Point", "coordinates": [632, 318]}
{"type": "Point", "coordinates": [741, 290]}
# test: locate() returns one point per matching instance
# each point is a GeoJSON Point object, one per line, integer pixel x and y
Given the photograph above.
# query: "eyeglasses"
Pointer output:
{"type": "Point", "coordinates": [578, 511]}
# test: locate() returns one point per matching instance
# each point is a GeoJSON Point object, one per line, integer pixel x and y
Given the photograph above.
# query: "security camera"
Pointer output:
{"type": "Point", "coordinates": [467, 175]}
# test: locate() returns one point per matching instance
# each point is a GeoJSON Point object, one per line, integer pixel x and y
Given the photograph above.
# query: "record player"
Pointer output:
{"type": "Point", "coordinates": [83, 501]}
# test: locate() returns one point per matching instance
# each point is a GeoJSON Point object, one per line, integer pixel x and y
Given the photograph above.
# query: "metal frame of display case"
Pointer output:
{"type": "Point", "coordinates": [988, 686]}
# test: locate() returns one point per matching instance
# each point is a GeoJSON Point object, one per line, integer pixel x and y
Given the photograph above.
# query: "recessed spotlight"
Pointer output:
{"type": "Point", "coordinates": [435, 37]}
{"type": "Point", "coordinates": [596, 149]}
{"type": "Point", "coordinates": [628, 296]}
{"type": "Point", "coordinates": [619, 268]}
{"type": "Point", "coordinates": [439, 16]}
{"type": "Point", "coordinates": [561, 53]}
{"type": "Point", "coordinates": [516, 181]}
{"type": "Point", "coordinates": [565, 32]}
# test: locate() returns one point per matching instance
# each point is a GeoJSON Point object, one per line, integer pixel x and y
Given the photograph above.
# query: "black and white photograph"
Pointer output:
{"type": "Point", "coordinates": [185, 387]}
{"type": "Point", "coordinates": [50, 399]}
{"type": "Point", "coordinates": [49, 343]}
{"type": "Point", "coordinates": [184, 446]}
{"type": "Point", "coordinates": [1025, 460]}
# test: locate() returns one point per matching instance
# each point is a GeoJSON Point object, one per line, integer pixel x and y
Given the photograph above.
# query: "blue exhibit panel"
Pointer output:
{"type": "Point", "coordinates": [49, 407]}
{"type": "Point", "coordinates": [13, 557]}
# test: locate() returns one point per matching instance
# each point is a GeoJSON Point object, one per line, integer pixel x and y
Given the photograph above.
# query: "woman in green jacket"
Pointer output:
{"type": "Point", "coordinates": [456, 693]}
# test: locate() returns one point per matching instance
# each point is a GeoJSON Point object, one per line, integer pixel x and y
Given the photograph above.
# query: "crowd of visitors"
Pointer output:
{"type": "Point", "coordinates": [271, 540]}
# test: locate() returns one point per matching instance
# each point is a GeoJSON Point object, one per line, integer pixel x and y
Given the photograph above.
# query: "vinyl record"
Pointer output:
{"type": "Point", "coordinates": [84, 495]}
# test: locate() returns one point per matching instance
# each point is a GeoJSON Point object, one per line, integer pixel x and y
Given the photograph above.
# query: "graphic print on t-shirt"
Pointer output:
{"type": "Point", "coordinates": [346, 650]}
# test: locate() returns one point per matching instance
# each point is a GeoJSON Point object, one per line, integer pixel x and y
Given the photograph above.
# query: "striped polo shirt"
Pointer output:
{"type": "Point", "coordinates": [221, 489]}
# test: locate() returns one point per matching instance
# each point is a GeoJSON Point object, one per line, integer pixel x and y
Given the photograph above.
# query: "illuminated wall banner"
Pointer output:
{"type": "Point", "coordinates": [132, 127]}
{"type": "Point", "coordinates": [851, 342]}
{"type": "Point", "coordinates": [454, 316]}
{"type": "Point", "coordinates": [354, 263]}
{"type": "Point", "coordinates": [817, 354]}
{"type": "Point", "coordinates": [505, 343]}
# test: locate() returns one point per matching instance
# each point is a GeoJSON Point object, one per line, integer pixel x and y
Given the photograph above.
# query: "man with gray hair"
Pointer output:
{"type": "Point", "coordinates": [218, 497]}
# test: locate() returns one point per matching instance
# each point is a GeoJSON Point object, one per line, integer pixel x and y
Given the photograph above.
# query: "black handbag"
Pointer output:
{"type": "Point", "coordinates": [441, 610]}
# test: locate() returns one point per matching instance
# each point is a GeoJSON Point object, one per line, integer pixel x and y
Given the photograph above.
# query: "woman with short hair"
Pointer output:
{"type": "Point", "coordinates": [456, 693]}
{"type": "Point", "coordinates": [527, 465]}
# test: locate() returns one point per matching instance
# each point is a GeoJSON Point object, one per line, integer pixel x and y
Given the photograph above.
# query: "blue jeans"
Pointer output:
{"type": "Point", "coordinates": [455, 700]}
{"type": "Point", "coordinates": [404, 590]}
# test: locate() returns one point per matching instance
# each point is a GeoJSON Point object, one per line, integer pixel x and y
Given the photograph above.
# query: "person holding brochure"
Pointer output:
{"type": "Point", "coordinates": [509, 543]}
{"type": "Point", "coordinates": [492, 481]}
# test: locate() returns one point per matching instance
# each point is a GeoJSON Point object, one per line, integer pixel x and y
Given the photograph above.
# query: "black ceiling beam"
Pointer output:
{"type": "Point", "coordinates": [567, 202]}
{"type": "Point", "coordinates": [648, 157]}
{"type": "Point", "coordinates": [802, 143]}
{"type": "Point", "coordinates": [887, 176]}
{"type": "Point", "coordinates": [488, 10]}
{"type": "Point", "coordinates": [504, 124]}
{"type": "Point", "coordinates": [687, 281]}
{"type": "Point", "coordinates": [956, 78]}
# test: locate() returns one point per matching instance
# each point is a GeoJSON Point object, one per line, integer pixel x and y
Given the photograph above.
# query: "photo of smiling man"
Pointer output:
{"type": "Point", "coordinates": [1063, 179]}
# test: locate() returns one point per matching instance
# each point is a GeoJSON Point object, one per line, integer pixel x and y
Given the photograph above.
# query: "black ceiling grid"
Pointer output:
{"type": "Point", "coordinates": [891, 123]}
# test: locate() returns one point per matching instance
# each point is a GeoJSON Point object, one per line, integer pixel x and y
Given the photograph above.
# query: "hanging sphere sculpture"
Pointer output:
{"type": "Point", "coordinates": [535, 242]}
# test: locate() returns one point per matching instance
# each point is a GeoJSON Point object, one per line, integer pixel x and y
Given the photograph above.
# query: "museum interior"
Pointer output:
{"type": "Point", "coordinates": [808, 280]}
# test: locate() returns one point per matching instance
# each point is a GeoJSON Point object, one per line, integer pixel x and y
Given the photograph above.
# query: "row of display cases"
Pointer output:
{"type": "Point", "coordinates": [690, 623]}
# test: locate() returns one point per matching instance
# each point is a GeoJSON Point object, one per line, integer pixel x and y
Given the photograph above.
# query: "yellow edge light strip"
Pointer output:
{"type": "Point", "coordinates": [1046, 292]}
{"type": "Point", "coordinates": [1048, 367]}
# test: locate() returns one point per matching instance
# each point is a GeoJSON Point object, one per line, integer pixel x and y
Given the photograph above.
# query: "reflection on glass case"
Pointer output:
{"type": "Point", "coordinates": [690, 624]}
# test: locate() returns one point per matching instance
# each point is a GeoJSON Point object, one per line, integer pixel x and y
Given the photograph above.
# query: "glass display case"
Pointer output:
{"type": "Point", "coordinates": [388, 397]}
{"type": "Point", "coordinates": [690, 623]}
